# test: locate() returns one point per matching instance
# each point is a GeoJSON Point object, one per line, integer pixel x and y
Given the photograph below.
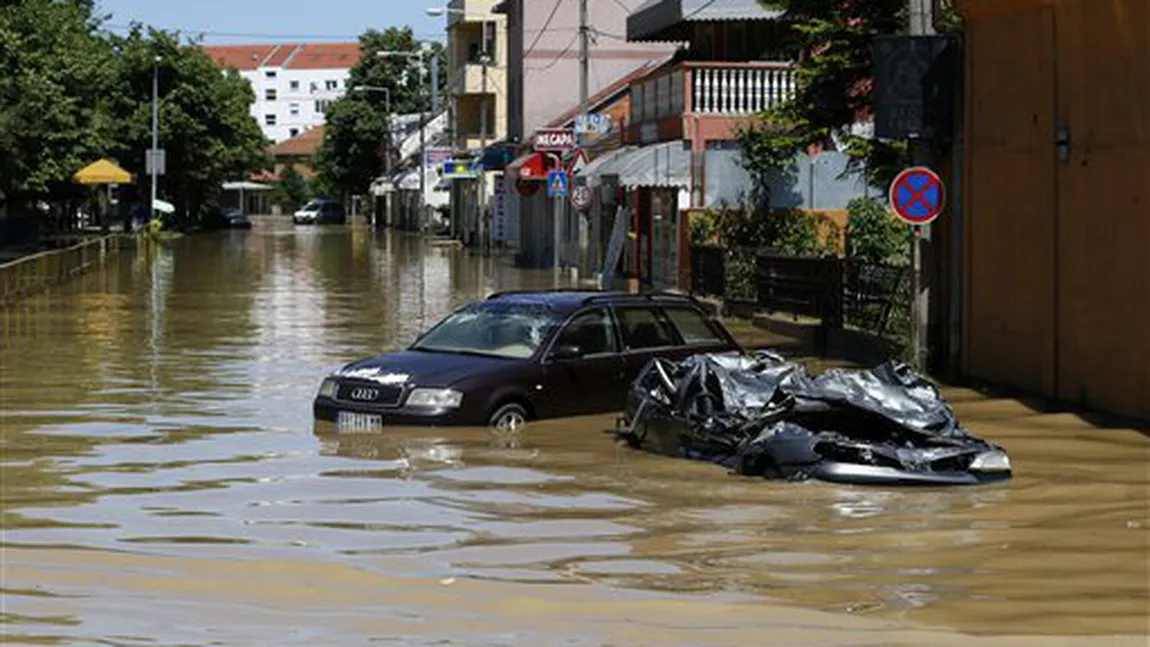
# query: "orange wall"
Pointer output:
{"type": "Point", "coordinates": [1057, 290]}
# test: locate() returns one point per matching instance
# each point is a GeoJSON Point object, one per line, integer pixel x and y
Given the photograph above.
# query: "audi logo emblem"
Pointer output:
{"type": "Point", "coordinates": [364, 394]}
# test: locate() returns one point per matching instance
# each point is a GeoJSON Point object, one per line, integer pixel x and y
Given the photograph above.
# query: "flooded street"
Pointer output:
{"type": "Point", "coordinates": [163, 483]}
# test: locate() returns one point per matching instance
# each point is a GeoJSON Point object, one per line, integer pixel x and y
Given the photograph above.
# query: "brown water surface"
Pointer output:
{"type": "Point", "coordinates": [163, 483]}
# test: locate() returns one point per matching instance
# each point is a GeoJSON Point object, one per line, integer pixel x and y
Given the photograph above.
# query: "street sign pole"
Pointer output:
{"type": "Point", "coordinates": [557, 191]}
{"type": "Point", "coordinates": [918, 197]}
{"type": "Point", "coordinates": [921, 18]}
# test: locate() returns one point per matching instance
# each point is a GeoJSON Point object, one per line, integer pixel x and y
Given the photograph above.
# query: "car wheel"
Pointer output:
{"type": "Point", "coordinates": [509, 417]}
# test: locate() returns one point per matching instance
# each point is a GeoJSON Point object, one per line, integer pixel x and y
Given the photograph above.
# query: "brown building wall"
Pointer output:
{"type": "Point", "coordinates": [1057, 289]}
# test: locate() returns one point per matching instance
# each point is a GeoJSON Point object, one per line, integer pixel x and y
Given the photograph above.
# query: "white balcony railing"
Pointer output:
{"type": "Point", "coordinates": [740, 90]}
{"type": "Point", "coordinates": [713, 89]}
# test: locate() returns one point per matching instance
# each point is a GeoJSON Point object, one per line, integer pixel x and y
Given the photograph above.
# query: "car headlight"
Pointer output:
{"type": "Point", "coordinates": [327, 389]}
{"type": "Point", "coordinates": [992, 461]}
{"type": "Point", "coordinates": [435, 398]}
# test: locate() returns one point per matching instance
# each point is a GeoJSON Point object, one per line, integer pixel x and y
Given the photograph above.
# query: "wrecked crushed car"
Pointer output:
{"type": "Point", "coordinates": [761, 415]}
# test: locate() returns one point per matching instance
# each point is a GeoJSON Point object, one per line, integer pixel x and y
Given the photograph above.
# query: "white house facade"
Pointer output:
{"type": "Point", "coordinates": [293, 83]}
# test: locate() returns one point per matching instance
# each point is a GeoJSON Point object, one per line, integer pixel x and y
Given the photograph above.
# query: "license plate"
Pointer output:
{"type": "Point", "coordinates": [353, 421]}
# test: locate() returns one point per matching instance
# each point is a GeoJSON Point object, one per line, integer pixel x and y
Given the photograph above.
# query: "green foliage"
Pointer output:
{"type": "Point", "coordinates": [874, 235]}
{"type": "Point", "coordinates": [834, 86]}
{"type": "Point", "coordinates": [205, 124]}
{"type": "Point", "coordinates": [292, 190]}
{"type": "Point", "coordinates": [356, 135]}
{"type": "Point", "coordinates": [783, 231]}
{"type": "Point", "coordinates": [51, 90]}
{"type": "Point", "coordinates": [70, 95]}
{"type": "Point", "coordinates": [745, 234]}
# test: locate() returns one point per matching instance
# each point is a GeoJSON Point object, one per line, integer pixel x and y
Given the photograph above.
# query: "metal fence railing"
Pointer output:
{"type": "Point", "coordinates": [31, 274]}
{"type": "Point", "coordinates": [840, 292]}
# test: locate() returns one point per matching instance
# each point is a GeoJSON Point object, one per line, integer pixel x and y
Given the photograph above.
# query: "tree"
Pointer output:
{"type": "Point", "coordinates": [358, 124]}
{"type": "Point", "coordinates": [291, 190]}
{"type": "Point", "coordinates": [206, 128]}
{"type": "Point", "coordinates": [51, 95]}
{"type": "Point", "coordinates": [834, 85]}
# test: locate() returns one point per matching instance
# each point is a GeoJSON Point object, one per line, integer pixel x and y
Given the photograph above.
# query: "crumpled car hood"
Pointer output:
{"type": "Point", "coordinates": [762, 415]}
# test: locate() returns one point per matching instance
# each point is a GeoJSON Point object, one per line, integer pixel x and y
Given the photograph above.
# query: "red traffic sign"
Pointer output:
{"type": "Point", "coordinates": [917, 195]}
{"type": "Point", "coordinates": [581, 197]}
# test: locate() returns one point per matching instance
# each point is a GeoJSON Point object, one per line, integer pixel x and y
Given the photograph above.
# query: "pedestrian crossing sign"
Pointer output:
{"type": "Point", "coordinates": [557, 184]}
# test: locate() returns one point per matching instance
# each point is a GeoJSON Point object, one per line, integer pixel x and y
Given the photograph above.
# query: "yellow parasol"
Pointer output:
{"type": "Point", "coordinates": [102, 172]}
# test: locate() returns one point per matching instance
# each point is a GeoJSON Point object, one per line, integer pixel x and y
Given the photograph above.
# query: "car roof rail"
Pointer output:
{"type": "Point", "coordinates": [506, 293]}
{"type": "Point", "coordinates": [653, 295]}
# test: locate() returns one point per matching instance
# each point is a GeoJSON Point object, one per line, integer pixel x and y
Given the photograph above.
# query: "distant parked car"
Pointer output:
{"type": "Point", "coordinates": [519, 356]}
{"type": "Point", "coordinates": [320, 212]}
{"type": "Point", "coordinates": [227, 218]}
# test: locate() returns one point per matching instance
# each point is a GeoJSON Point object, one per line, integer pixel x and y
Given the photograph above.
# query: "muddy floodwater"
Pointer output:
{"type": "Point", "coordinates": [163, 483]}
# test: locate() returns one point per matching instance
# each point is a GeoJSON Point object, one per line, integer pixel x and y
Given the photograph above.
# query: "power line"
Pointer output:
{"type": "Point", "coordinates": [550, 65]}
{"type": "Point", "coordinates": [546, 24]}
{"type": "Point", "coordinates": [600, 32]}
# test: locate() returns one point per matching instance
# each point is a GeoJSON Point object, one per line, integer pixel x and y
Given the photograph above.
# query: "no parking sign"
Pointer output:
{"type": "Point", "coordinates": [917, 196]}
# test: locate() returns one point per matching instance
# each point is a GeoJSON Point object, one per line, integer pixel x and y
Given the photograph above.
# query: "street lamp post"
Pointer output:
{"type": "Point", "coordinates": [153, 154]}
{"type": "Point", "coordinates": [423, 52]}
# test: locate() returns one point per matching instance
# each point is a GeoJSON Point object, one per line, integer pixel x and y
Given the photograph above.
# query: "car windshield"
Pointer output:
{"type": "Point", "coordinates": [495, 329]}
{"type": "Point", "coordinates": [314, 205]}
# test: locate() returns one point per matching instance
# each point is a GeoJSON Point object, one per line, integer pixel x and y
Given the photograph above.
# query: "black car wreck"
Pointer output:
{"type": "Point", "coordinates": [760, 415]}
{"type": "Point", "coordinates": [517, 356]}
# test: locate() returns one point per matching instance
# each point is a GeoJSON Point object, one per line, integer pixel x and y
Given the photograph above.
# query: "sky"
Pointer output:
{"type": "Point", "coordinates": [245, 21]}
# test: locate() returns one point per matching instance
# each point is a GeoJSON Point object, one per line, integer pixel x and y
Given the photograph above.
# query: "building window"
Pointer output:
{"type": "Point", "coordinates": [270, 120]}
{"type": "Point", "coordinates": [321, 105]}
{"type": "Point", "coordinates": [295, 85]}
{"type": "Point", "coordinates": [271, 74]}
{"type": "Point", "coordinates": [332, 85]}
{"type": "Point", "coordinates": [270, 94]}
{"type": "Point", "coordinates": [292, 132]}
{"type": "Point", "coordinates": [294, 109]}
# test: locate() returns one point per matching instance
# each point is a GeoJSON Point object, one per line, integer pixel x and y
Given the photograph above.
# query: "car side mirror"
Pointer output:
{"type": "Point", "coordinates": [566, 352]}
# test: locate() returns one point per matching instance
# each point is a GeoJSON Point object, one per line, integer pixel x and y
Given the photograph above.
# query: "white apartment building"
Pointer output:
{"type": "Point", "coordinates": [293, 83]}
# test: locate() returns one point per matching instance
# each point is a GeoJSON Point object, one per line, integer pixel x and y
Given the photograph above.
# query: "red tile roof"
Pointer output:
{"type": "Point", "coordinates": [241, 57]}
{"type": "Point", "coordinates": [321, 56]}
{"type": "Point", "coordinates": [292, 56]}
{"type": "Point", "coordinates": [302, 145]}
{"type": "Point", "coordinates": [280, 54]}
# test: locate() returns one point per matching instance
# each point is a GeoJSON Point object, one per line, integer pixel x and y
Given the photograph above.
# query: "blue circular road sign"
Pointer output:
{"type": "Point", "coordinates": [917, 195]}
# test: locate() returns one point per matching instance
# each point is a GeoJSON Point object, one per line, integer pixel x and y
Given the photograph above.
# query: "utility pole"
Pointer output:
{"type": "Point", "coordinates": [584, 56]}
{"type": "Point", "coordinates": [921, 13]}
{"type": "Point", "coordinates": [573, 217]}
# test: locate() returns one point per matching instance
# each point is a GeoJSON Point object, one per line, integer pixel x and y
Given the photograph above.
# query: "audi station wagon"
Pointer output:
{"type": "Point", "coordinates": [520, 356]}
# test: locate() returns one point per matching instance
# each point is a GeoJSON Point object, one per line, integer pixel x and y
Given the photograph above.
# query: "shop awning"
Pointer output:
{"type": "Point", "coordinates": [496, 157]}
{"type": "Point", "coordinates": [532, 166]}
{"type": "Point", "coordinates": [603, 165]}
{"type": "Point", "coordinates": [246, 186]}
{"type": "Point", "coordinates": [407, 180]}
{"type": "Point", "coordinates": [667, 164]}
{"type": "Point", "coordinates": [669, 20]}
{"type": "Point", "coordinates": [102, 172]}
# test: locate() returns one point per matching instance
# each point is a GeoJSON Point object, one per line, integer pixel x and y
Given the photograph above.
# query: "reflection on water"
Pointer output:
{"type": "Point", "coordinates": [157, 444]}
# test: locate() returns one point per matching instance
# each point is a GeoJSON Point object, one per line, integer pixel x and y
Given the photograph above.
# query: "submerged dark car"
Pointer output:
{"type": "Point", "coordinates": [228, 218]}
{"type": "Point", "coordinates": [518, 356]}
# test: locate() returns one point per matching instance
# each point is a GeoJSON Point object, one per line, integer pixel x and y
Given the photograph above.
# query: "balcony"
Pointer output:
{"type": "Point", "coordinates": [721, 89]}
{"type": "Point", "coordinates": [468, 79]}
